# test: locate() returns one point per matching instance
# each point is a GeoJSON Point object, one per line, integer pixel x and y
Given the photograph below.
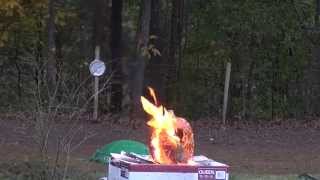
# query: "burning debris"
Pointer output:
{"type": "Point", "coordinates": [171, 148]}
{"type": "Point", "coordinates": [172, 137]}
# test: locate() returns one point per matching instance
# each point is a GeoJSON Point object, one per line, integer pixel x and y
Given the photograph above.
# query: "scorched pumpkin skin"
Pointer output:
{"type": "Point", "coordinates": [177, 152]}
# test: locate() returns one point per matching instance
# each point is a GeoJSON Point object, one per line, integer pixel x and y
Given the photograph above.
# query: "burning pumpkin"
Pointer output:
{"type": "Point", "coordinates": [172, 137]}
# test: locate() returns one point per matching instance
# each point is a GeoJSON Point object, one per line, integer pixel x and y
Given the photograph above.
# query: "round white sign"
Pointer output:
{"type": "Point", "coordinates": [97, 67]}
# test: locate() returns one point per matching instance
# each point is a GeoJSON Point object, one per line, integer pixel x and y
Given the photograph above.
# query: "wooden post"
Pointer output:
{"type": "Point", "coordinates": [226, 92]}
{"type": "Point", "coordinates": [96, 89]}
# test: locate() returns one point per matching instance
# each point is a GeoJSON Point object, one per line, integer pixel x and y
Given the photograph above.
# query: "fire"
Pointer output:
{"type": "Point", "coordinates": [172, 137]}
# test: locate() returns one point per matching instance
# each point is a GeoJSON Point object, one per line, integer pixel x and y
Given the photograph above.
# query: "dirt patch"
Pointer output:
{"type": "Point", "coordinates": [275, 148]}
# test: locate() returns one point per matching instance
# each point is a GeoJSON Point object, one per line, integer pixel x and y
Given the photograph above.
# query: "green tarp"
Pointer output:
{"type": "Point", "coordinates": [102, 155]}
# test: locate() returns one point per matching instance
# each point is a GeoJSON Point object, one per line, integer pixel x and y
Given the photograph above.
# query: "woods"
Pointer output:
{"type": "Point", "coordinates": [180, 48]}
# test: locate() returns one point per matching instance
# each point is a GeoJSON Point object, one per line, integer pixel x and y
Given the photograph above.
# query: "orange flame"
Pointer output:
{"type": "Point", "coordinates": [172, 137]}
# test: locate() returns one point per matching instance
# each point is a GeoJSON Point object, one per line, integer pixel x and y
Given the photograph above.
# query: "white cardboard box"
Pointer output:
{"type": "Point", "coordinates": [123, 170]}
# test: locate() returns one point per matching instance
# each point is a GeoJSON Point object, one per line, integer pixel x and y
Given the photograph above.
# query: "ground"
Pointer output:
{"type": "Point", "coordinates": [277, 147]}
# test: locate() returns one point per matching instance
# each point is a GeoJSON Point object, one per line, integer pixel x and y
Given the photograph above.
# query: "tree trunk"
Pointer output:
{"type": "Point", "coordinates": [82, 40]}
{"type": "Point", "coordinates": [314, 82]}
{"type": "Point", "coordinates": [156, 68]}
{"type": "Point", "coordinates": [51, 65]}
{"type": "Point", "coordinates": [175, 53]}
{"type": "Point", "coordinates": [317, 15]}
{"type": "Point", "coordinates": [248, 93]}
{"type": "Point", "coordinates": [58, 55]}
{"type": "Point", "coordinates": [315, 67]}
{"type": "Point", "coordinates": [137, 64]}
{"type": "Point", "coordinates": [38, 72]}
{"type": "Point", "coordinates": [176, 35]}
{"type": "Point", "coordinates": [99, 23]}
{"type": "Point", "coordinates": [116, 56]}
{"type": "Point", "coordinates": [17, 65]}
{"type": "Point", "coordinates": [312, 88]}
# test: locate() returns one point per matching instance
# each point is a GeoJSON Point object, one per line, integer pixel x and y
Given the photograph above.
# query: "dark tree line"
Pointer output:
{"type": "Point", "coordinates": [179, 47]}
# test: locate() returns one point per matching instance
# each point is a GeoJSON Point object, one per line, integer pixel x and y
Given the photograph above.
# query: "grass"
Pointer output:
{"type": "Point", "coordinates": [264, 177]}
{"type": "Point", "coordinates": [35, 170]}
